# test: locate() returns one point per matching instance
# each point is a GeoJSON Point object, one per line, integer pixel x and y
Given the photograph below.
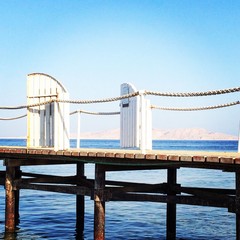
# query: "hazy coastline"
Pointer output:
{"type": "Point", "coordinates": [157, 134]}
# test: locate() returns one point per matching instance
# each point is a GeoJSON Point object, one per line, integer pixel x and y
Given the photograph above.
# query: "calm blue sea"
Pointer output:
{"type": "Point", "coordinates": [45, 215]}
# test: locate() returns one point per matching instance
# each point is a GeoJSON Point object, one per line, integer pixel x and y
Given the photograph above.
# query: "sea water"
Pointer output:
{"type": "Point", "coordinates": [46, 215]}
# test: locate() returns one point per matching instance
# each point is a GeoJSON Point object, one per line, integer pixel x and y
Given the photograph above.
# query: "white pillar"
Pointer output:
{"type": "Point", "coordinates": [239, 138]}
{"type": "Point", "coordinates": [78, 128]}
{"type": "Point", "coordinates": [129, 118]}
{"type": "Point", "coordinates": [136, 120]}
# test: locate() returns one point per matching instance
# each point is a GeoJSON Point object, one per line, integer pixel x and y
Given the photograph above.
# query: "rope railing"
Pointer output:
{"type": "Point", "coordinates": [198, 108]}
{"type": "Point", "coordinates": [131, 95]}
{"type": "Point", "coordinates": [78, 111]}
{"type": "Point", "coordinates": [26, 106]}
{"type": "Point", "coordinates": [13, 118]}
{"type": "Point", "coordinates": [99, 100]}
{"type": "Point", "coordinates": [95, 113]}
{"type": "Point", "coordinates": [152, 106]}
{"type": "Point", "coordinates": [194, 94]}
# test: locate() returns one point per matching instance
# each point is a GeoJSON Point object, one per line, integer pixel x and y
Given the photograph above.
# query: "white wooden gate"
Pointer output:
{"type": "Point", "coordinates": [47, 124]}
{"type": "Point", "coordinates": [135, 120]}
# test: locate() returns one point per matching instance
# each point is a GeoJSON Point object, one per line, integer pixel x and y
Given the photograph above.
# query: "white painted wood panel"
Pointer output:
{"type": "Point", "coordinates": [135, 120]}
{"type": "Point", "coordinates": [48, 124]}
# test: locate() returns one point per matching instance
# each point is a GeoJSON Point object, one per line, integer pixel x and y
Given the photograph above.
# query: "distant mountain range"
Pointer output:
{"type": "Point", "coordinates": [173, 134]}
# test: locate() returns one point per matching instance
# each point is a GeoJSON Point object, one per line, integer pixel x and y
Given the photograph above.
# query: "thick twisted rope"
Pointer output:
{"type": "Point", "coordinates": [95, 113]}
{"type": "Point", "coordinates": [194, 94]}
{"type": "Point", "coordinates": [26, 106]}
{"type": "Point", "coordinates": [71, 101]}
{"type": "Point", "coordinates": [197, 109]}
{"type": "Point", "coordinates": [13, 118]}
{"type": "Point", "coordinates": [134, 94]}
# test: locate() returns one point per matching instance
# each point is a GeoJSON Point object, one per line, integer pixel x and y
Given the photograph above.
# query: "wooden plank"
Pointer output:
{"type": "Point", "coordinates": [212, 159]}
{"type": "Point", "coordinates": [237, 160]}
{"type": "Point", "coordinates": [92, 154]}
{"type": "Point", "coordinates": [75, 154]}
{"type": "Point", "coordinates": [174, 158]}
{"type": "Point", "coordinates": [83, 154]}
{"type": "Point", "coordinates": [186, 158]}
{"type": "Point", "coordinates": [67, 153]}
{"type": "Point", "coordinates": [162, 157]}
{"type": "Point", "coordinates": [110, 155]}
{"type": "Point", "coordinates": [226, 160]}
{"type": "Point", "coordinates": [100, 154]}
{"type": "Point", "coordinates": [139, 156]}
{"type": "Point", "coordinates": [119, 155]}
{"type": "Point", "coordinates": [130, 155]}
{"type": "Point", "coordinates": [151, 156]}
{"type": "Point", "coordinates": [198, 158]}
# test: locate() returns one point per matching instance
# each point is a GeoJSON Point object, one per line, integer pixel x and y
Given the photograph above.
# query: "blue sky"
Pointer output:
{"type": "Point", "coordinates": [94, 46]}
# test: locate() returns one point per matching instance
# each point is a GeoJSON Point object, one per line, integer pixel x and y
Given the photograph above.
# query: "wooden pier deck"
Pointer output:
{"type": "Point", "coordinates": [19, 156]}
{"type": "Point", "coordinates": [101, 190]}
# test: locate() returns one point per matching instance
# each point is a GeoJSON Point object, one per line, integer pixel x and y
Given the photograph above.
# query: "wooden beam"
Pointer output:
{"type": "Point", "coordinates": [112, 168]}
{"type": "Point", "coordinates": [31, 162]}
{"type": "Point", "coordinates": [51, 179]}
{"type": "Point", "coordinates": [56, 188]}
{"type": "Point", "coordinates": [144, 188]}
{"type": "Point", "coordinates": [196, 190]}
{"type": "Point", "coordinates": [189, 200]}
{"type": "Point", "coordinates": [209, 193]}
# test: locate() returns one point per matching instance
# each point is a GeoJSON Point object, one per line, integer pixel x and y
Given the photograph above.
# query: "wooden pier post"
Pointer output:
{"type": "Point", "coordinates": [99, 203]}
{"type": "Point", "coordinates": [12, 199]}
{"type": "Point", "coordinates": [237, 202]}
{"type": "Point", "coordinates": [171, 207]}
{"type": "Point", "coordinates": [17, 196]}
{"type": "Point", "coordinates": [80, 204]}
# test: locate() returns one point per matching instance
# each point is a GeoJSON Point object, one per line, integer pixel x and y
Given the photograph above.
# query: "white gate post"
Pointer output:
{"type": "Point", "coordinates": [78, 128]}
{"type": "Point", "coordinates": [239, 138]}
{"type": "Point", "coordinates": [135, 120]}
{"type": "Point", "coordinates": [145, 123]}
{"type": "Point", "coordinates": [129, 117]}
{"type": "Point", "coordinates": [142, 122]}
{"type": "Point", "coordinates": [48, 124]}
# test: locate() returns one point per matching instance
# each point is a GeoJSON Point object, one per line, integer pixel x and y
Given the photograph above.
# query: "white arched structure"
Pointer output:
{"type": "Point", "coordinates": [47, 124]}
{"type": "Point", "coordinates": [135, 120]}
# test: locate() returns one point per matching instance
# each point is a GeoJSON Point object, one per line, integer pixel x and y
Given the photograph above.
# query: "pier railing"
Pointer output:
{"type": "Point", "coordinates": [48, 114]}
